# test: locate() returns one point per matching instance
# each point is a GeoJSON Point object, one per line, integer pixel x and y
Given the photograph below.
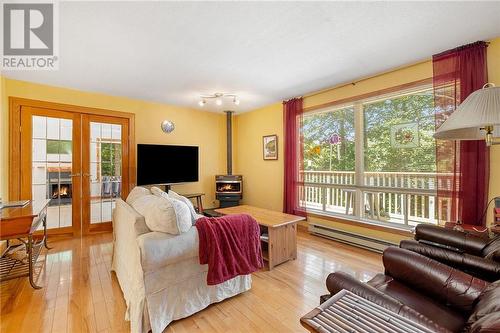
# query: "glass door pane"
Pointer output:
{"type": "Point", "coordinates": [52, 167]}
{"type": "Point", "coordinates": [105, 165]}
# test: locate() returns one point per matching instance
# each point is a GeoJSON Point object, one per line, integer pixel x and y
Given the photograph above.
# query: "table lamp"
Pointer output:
{"type": "Point", "coordinates": [477, 118]}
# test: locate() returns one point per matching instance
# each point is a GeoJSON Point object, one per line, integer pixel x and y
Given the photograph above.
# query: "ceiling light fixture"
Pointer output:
{"type": "Point", "coordinates": [219, 99]}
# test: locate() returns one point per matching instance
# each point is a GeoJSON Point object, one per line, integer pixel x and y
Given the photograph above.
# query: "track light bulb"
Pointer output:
{"type": "Point", "coordinates": [218, 101]}
{"type": "Point", "coordinates": [236, 101]}
{"type": "Point", "coordinates": [202, 102]}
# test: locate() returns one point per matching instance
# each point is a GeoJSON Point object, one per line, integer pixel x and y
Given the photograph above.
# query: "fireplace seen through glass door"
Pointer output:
{"type": "Point", "coordinates": [52, 156]}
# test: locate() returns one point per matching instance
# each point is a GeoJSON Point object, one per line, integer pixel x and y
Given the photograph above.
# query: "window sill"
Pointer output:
{"type": "Point", "coordinates": [403, 230]}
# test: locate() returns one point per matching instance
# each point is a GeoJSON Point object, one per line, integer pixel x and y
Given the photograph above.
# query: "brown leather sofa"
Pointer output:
{"type": "Point", "coordinates": [437, 296]}
{"type": "Point", "coordinates": [470, 253]}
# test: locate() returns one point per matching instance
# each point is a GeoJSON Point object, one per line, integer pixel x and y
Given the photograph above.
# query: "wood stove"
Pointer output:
{"type": "Point", "coordinates": [228, 190]}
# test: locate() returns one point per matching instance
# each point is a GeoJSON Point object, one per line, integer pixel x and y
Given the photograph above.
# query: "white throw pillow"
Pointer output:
{"type": "Point", "coordinates": [182, 213]}
{"type": "Point", "coordinates": [136, 193]}
{"type": "Point", "coordinates": [158, 191]}
{"type": "Point", "coordinates": [158, 213]}
{"type": "Point", "coordinates": [194, 214]}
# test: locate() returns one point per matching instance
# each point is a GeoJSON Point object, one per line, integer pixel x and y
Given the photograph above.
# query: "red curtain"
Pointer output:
{"type": "Point", "coordinates": [462, 166]}
{"type": "Point", "coordinates": [294, 146]}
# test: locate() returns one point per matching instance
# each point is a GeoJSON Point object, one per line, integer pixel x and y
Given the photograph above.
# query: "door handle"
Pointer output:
{"type": "Point", "coordinates": [75, 175]}
{"type": "Point", "coordinates": [86, 175]}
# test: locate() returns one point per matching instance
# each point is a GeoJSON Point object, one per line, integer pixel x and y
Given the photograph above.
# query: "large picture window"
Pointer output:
{"type": "Point", "coordinates": [373, 159]}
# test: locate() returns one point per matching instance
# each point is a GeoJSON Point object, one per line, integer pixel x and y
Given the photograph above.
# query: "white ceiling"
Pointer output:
{"type": "Point", "coordinates": [172, 52]}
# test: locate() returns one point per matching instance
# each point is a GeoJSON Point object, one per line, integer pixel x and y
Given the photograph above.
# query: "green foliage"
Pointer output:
{"type": "Point", "coordinates": [111, 159]}
{"type": "Point", "coordinates": [317, 131]}
{"type": "Point", "coordinates": [379, 118]}
{"type": "Point", "coordinates": [59, 147]}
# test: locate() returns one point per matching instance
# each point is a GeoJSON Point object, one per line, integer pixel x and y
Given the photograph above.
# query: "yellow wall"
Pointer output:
{"type": "Point", "coordinates": [266, 188]}
{"type": "Point", "coordinates": [390, 79]}
{"type": "Point", "coordinates": [263, 180]}
{"type": "Point", "coordinates": [192, 127]}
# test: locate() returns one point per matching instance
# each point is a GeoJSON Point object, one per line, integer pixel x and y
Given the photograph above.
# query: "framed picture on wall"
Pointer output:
{"type": "Point", "coordinates": [270, 147]}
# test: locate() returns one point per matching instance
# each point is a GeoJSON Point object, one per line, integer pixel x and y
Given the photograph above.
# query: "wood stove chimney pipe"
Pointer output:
{"type": "Point", "coordinates": [229, 129]}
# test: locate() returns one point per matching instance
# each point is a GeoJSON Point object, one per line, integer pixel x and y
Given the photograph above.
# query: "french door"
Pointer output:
{"type": "Point", "coordinates": [51, 165]}
{"type": "Point", "coordinates": [104, 168]}
{"type": "Point", "coordinates": [79, 161]}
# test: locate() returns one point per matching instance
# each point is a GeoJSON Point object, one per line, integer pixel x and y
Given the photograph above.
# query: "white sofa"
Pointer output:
{"type": "Point", "coordinates": [160, 274]}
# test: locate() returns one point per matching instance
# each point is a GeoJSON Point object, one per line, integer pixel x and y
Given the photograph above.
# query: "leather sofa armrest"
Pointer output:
{"type": "Point", "coordinates": [492, 250]}
{"type": "Point", "coordinates": [339, 281]}
{"type": "Point", "coordinates": [432, 278]}
{"type": "Point", "coordinates": [482, 268]}
{"type": "Point", "coordinates": [452, 239]}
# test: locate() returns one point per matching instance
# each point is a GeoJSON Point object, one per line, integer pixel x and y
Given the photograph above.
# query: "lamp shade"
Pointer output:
{"type": "Point", "coordinates": [480, 109]}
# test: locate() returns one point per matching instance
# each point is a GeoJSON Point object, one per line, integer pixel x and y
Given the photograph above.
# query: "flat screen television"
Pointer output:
{"type": "Point", "coordinates": [166, 164]}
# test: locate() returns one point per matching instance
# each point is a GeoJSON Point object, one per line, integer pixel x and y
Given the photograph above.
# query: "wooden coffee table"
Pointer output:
{"type": "Point", "coordinates": [278, 232]}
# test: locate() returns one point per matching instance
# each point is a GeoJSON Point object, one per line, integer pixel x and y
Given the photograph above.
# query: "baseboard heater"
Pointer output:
{"type": "Point", "coordinates": [350, 238]}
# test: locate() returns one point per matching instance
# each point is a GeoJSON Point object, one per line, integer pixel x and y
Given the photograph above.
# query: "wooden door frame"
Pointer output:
{"type": "Point", "coordinates": [15, 105]}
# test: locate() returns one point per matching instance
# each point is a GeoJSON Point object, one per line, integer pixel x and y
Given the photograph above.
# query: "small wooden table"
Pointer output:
{"type": "Point", "coordinates": [278, 232]}
{"type": "Point", "coordinates": [495, 229]}
{"type": "Point", "coordinates": [475, 230]}
{"type": "Point", "coordinates": [199, 202]}
{"type": "Point", "coordinates": [20, 223]}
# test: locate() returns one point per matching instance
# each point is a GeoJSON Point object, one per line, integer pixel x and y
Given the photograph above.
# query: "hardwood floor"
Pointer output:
{"type": "Point", "coordinates": [80, 294]}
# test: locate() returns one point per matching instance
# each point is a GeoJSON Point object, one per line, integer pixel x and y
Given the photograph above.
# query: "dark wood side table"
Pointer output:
{"type": "Point", "coordinates": [20, 223]}
{"type": "Point", "coordinates": [484, 232]}
{"type": "Point", "coordinates": [495, 229]}
{"type": "Point", "coordinates": [348, 312]}
{"type": "Point", "coordinates": [199, 202]}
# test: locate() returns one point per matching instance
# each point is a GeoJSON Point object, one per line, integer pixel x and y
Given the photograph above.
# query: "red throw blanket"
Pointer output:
{"type": "Point", "coordinates": [230, 245]}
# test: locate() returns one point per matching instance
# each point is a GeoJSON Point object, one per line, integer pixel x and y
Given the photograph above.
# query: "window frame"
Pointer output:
{"type": "Point", "coordinates": [357, 102]}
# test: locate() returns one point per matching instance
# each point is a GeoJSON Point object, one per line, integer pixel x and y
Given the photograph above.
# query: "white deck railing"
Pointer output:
{"type": "Point", "coordinates": [396, 197]}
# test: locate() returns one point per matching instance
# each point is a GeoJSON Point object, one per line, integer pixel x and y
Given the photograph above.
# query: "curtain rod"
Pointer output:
{"type": "Point", "coordinates": [463, 47]}
{"type": "Point", "coordinates": [353, 83]}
